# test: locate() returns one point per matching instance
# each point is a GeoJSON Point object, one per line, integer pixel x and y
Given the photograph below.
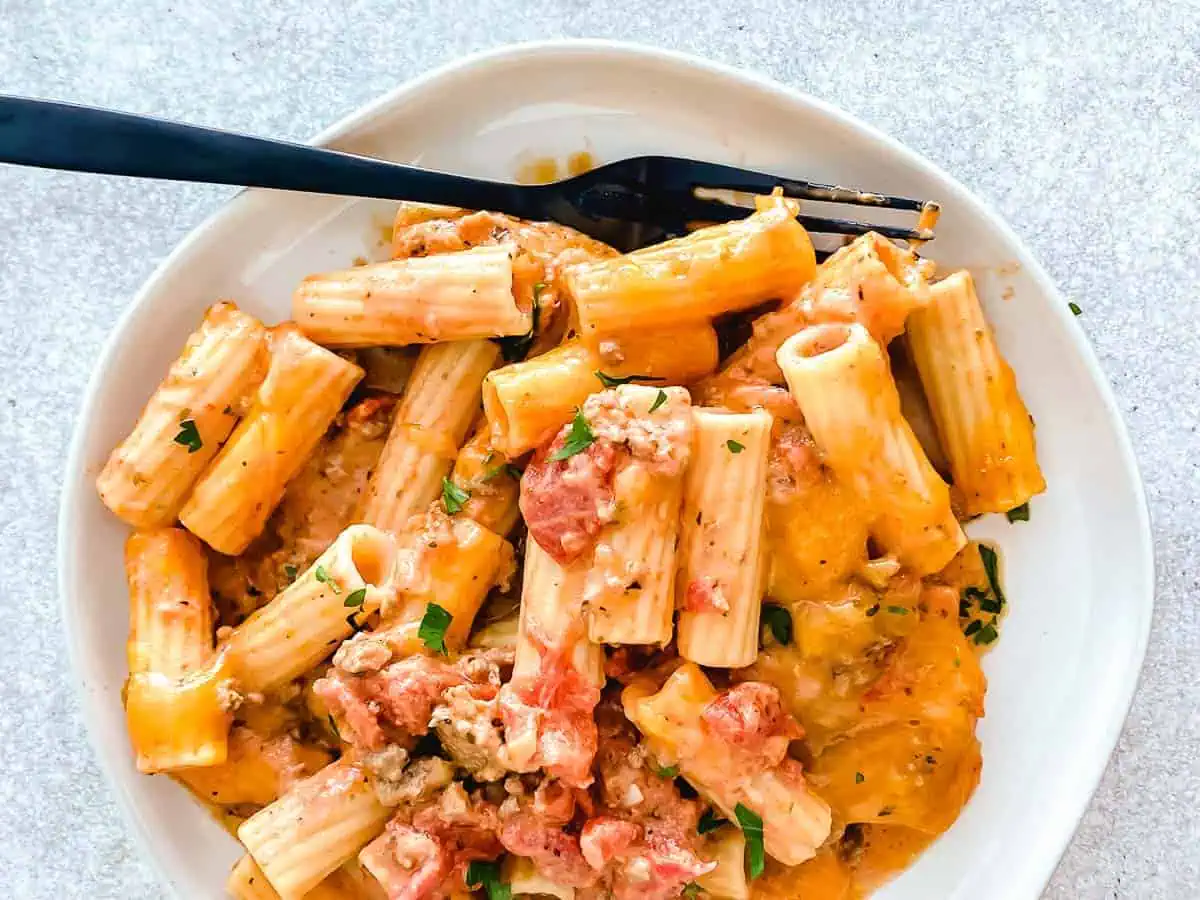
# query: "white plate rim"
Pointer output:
{"type": "Point", "coordinates": [1087, 777]}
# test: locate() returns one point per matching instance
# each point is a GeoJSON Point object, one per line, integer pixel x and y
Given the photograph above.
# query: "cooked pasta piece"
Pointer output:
{"type": "Point", "coordinates": [839, 376]}
{"type": "Point", "coordinates": [350, 882]}
{"type": "Point", "coordinates": [257, 770]}
{"type": "Point", "coordinates": [983, 424]}
{"type": "Point", "coordinates": [675, 724]}
{"type": "Point", "coordinates": [173, 701]}
{"type": "Point", "coordinates": [527, 402]}
{"type": "Point", "coordinates": [711, 271]}
{"type": "Point", "coordinates": [314, 828]}
{"type": "Point", "coordinates": [148, 476]}
{"type": "Point", "coordinates": [547, 705]}
{"type": "Point", "coordinates": [630, 586]}
{"type": "Point", "coordinates": [450, 562]}
{"type": "Point", "coordinates": [491, 482]}
{"type": "Point", "coordinates": [306, 621]}
{"type": "Point", "coordinates": [727, 847]}
{"type": "Point", "coordinates": [722, 554]}
{"type": "Point", "coordinates": [447, 297]}
{"type": "Point", "coordinates": [247, 882]}
{"type": "Point", "coordinates": [431, 424]}
{"type": "Point", "coordinates": [870, 281]}
{"type": "Point", "coordinates": [304, 388]}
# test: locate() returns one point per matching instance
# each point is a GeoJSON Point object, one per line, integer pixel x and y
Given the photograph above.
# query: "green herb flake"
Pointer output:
{"type": "Point", "coordinates": [859, 777]}
{"type": "Point", "coordinates": [986, 634]}
{"type": "Point", "coordinates": [454, 498]}
{"type": "Point", "coordinates": [898, 610]}
{"type": "Point", "coordinates": [734, 446]}
{"type": "Point", "coordinates": [1074, 307]}
{"type": "Point", "coordinates": [516, 347]}
{"type": "Point", "coordinates": [355, 599]}
{"type": "Point", "coordinates": [659, 400]}
{"type": "Point", "coordinates": [972, 627]}
{"type": "Point", "coordinates": [666, 771]}
{"type": "Point", "coordinates": [779, 621]}
{"type": "Point", "coordinates": [873, 611]}
{"type": "Point", "coordinates": [487, 875]}
{"type": "Point", "coordinates": [710, 821]}
{"type": "Point", "coordinates": [1018, 513]}
{"type": "Point", "coordinates": [291, 572]}
{"type": "Point", "coordinates": [502, 469]}
{"type": "Point", "coordinates": [189, 435]}
{"type": "Point", "coordinates": [612, 381]}
{"type": "Point", "coordinates": [691, 890]}
{"type": "Point", "coordinates": [752, 827]}
{"type": "Point", "coordinates": [325, 578]}
{"type": "Point", "coordinates": [433, 628]}
{"type": "Point", "coordinates": [579, 438]}
{"type": "Point", "coordinates": [991, 565]}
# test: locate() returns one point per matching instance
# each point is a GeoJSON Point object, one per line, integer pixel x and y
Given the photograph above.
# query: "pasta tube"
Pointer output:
{"type": "Point", "coordinates": [839, 377]}
{"type": "Point", "coordinates": [983, 424]}
{"type": "Point", "coordinates": [173, 698]}
{"type": "Point", "coordinates": [527, 402]}
{"type": "Point", "coordinates": [148, 476]}
{"type": "Point", "coordinates": [557, 675]}
{"type": "Point", "coordinates": [350, 882]}
{"type": "Point", "coordinates": [711, 271]}
{"type": "Point", "coordinates": [456, 562]}
{"type": "Point", "coordinates": [314, 828]}
{"type": "Point", "coordinates": [524, 879]}
{"type": "Point", "coordinates": [722, 554]}
{"type": "Point", "coordinates": [726, 847]}
{"type": "Point", "coordinates": [493, 485]}
{"type": "Point", "coordinates": [421, 300]}
{"type": "Point", "coordinates": [305, 387]}
{"type": "Point", "coordinates": [431, 424]}
{"type": "Point", "coordinates": [306, 621]}
{"type": "Point", "coordinates": [256, 771]}
{"type": "Point", "coordinates": [629, 592]}
{"type": "Point", "coordinates": [795, 821]}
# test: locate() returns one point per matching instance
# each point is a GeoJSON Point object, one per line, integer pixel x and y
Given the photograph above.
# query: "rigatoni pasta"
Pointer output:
{"type": "Point", "coordinates": [439, 404]}
{"type": "Point", "coordinates": [985, 429]}
{"type": "Point", "coordinates": [392, 700]}
{"type": "Point", "coordinates": [422, 300]}
{"type": "Point", "coordinates": [722, 550]}
{"type": "Point", "coordinates": [840, 379]}
{"type": "Point", "coordinates": [192, 412]}
{"type": "Point", "coordinates": [527, 402]}
{"type": "Point", "coordinates": [304, 388]}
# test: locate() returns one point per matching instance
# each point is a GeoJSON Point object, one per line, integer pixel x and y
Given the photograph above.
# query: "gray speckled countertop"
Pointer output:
{"type": "Point", "coordinates": [1079, 120]}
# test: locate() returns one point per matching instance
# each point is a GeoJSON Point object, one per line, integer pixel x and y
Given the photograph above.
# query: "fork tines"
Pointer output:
{"type": "Point", "coordinates": [697, 180]}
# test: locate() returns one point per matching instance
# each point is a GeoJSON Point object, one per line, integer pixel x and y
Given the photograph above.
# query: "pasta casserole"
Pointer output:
{"type": "Point", "coordinates": [516, 566]}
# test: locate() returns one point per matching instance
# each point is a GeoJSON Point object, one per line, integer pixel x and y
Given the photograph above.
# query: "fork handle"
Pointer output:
{"type": "Point", "coordinates": [52, 135]}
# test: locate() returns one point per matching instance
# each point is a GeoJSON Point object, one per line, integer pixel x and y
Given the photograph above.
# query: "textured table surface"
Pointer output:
{"type": "Point", "coordinates": [1079, 120]}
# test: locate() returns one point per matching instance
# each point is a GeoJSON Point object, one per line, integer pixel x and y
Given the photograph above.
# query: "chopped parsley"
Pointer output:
{"type": "Point", "coordinates": [691, 890]}
{"type": "Point", "coordinates": [189, 435]}
{"type": "Point", "coordinates": [579, 438]}
{"type": "Point", "coordinates": [355, 599]}
{"type": "Point", "coordinates": [612, 381]}
{"type": "Point", "coordinates": [325, 578]}
{"type": "Point", "coordinates": [710, 821]}
{"type": "Point", "coordinates": [454, 498]}
{"type": "Point", "coordinates": [779, 621]}
{"type": "Point", "coordinates": [987, 634]}
{"type": "Point", "coordinates": [502, 469]}
{"type": "Point", "coordinates": [1018, 513]}
{"type": "Point", "coordinates": [291, 572]}
{"type": "Point", "coordinates": [1074, 307]}
{"type": "Point", "coordinates": [752, 827]}
{"type": "Point", "coordinates": [433, 628]}
{"type": "Point", "coordinates": [659, 400]}
{"type": "Point", "coordinates": [487, 875]}
{"type": "Point", "coordinates": [898, 610]}
{"type": "Point", "coordinates": [734, 446]}
{"type": "Point", "coordinates": [859, 777]}
{"type": "Point", "coordinates": [991, 565]}
{"type": "Point", "coordinates": [516, 347]}
{"type": "Point", "coordinates": [873, 611]}
{"type": "Point", "coordinates": [666, 771]}
{"type": "Point", "coordinates": [972, 627]}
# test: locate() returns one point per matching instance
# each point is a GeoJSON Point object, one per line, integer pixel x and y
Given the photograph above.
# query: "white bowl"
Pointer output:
{"type": "Point", "coordinates": [1079, 574]}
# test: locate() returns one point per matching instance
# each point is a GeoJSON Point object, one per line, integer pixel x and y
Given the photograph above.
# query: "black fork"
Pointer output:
{"type": "Point", "coordinates": [629, 203]}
